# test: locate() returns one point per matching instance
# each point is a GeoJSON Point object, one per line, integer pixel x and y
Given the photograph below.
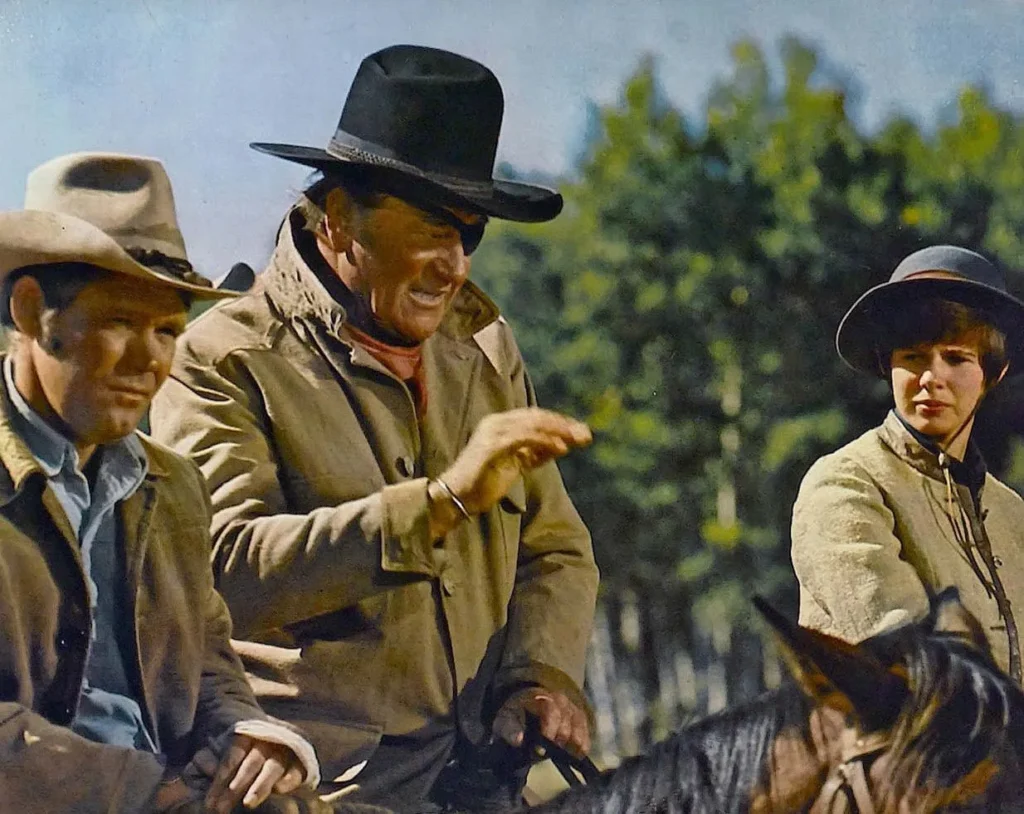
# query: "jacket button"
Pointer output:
{"type": "Point", "coordinates": [998, 562]}
{"type": "Point", "coordinates": [406, 466]}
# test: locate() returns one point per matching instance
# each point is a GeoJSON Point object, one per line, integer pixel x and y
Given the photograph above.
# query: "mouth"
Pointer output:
{"type": "Point", "coordinates": [929, 404]}
{"type": "Point", "coordinates": [426, 298]}
{"type": "Point", "coordinates": [131, 393]}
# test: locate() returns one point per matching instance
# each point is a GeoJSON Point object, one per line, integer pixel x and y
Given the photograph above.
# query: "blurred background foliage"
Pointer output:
{"type": "Point", "coordinates": [685, 304]}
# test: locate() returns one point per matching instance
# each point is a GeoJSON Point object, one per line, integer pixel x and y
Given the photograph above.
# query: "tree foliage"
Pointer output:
{"type": "Point", "coordinates": [685, 304]}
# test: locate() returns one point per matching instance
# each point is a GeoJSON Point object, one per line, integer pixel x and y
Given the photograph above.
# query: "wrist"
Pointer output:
{"type": "Point", "coordinates": [446, 510]}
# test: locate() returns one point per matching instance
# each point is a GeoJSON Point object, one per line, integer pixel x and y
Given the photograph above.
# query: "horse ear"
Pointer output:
{"type": "Point", "coordinates": [949, 616]}
{"type": "Point", "coordinates": [834, 673]}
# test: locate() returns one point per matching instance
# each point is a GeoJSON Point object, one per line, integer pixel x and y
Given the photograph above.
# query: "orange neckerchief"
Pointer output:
{"type": "Point", "coordinates": [405, 363]}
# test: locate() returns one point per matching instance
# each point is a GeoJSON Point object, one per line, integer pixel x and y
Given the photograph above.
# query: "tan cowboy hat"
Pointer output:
{"type": "Point", "coordinates": [112, 211]}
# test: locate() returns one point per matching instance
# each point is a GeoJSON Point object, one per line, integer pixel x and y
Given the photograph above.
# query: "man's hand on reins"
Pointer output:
{"type": "Point", "coordinates": [247, 772]}
{"type": "Point", "coordinates": [559, 719]}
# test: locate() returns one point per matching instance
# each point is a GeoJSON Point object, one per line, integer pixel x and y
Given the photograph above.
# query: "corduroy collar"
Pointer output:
{"type": "Point", "coordinates": [921, 453]}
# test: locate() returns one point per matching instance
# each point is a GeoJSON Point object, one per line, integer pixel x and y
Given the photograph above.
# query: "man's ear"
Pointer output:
{"type": "Point", "coordinates": [27, 306]}
{"type": "Point", "coordinates": [340, 222]}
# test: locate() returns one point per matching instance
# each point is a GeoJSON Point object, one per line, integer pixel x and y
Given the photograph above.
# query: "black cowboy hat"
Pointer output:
{"type": "Point", "coordinates": [939, 272]}
{"type": "Point", "coordinates": [429, 117]}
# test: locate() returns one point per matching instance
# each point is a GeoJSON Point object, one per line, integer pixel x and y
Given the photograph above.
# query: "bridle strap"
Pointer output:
{"type": "Point", "coordinates": [562, 759]}
{"type": "Point", "coordinates": [845, 790]}
{"type": "Point", "coordinates": [857, 781]}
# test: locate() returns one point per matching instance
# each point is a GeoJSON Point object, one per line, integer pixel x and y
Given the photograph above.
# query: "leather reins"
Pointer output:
{"type": "Point", "coordinates": [845, 790]}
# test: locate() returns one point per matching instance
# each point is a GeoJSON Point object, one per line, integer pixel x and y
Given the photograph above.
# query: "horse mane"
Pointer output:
{"type": "Point", "coordinates": [961, 710]}
{"type": "Point", "coordinates": [710, 767]}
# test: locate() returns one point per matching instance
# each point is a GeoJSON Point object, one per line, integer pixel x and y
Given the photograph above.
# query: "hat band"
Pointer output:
{"type": "Point", "coordinates": [160, 238]}
{"type": "Point", "coordinates": [937, 274]}
{"type": "Point", "coordinates": [364, 152]}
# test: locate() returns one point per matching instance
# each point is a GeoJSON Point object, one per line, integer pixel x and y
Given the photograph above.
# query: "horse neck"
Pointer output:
{"type": "Point", "coordinates": [721, 764]}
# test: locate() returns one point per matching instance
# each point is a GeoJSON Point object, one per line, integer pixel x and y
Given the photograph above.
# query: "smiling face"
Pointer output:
{"type": "Point", "coordinates": [93, 366]}
{"type": "Point", "coordinates": [937, 386]}
{"type": "Point", "coordinates": [407, 263]}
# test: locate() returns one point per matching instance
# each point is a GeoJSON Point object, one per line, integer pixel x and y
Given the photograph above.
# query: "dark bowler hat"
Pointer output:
{"type": "Point", "coordinates": [937, 272]}
{"type": "Point", "coordinates": [430, 117]}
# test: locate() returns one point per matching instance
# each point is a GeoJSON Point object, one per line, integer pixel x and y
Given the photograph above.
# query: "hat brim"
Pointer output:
{"type": "Point", "coordinates": [508, 200]}
{"type": "Point", "coordinates": [32, 237]}
{"type": "Point", "coordinates": [858, 331]}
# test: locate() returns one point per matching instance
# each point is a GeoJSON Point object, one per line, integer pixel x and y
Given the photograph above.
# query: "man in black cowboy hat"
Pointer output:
{"type": "Point", "coordinates": [908, 508]}
{"type": "Point", "coordinates": [406, 572]}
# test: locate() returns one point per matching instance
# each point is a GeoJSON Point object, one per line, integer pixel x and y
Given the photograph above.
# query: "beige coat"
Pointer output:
{"type": "Point", "coordinates": [354, 622]}
{"type": "Point", "coordinates": [193, 686]}
{"type": "Point", "coordinates": [872, 535]}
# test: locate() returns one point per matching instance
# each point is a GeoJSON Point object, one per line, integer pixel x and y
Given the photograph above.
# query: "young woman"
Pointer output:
{"type": "Point", "coordinates": [908, 508]}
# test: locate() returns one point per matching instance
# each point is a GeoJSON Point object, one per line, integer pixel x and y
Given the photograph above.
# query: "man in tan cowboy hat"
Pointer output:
{"type": "Point", "coordinates": [404, 566]}
{"type": "Point", "coordinates": [119, 690]}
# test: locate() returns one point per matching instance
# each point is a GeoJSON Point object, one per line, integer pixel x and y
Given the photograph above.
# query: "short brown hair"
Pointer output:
{"type": "Point", "coordinates": [314, 197]}
{"type": "Point", "coordinates": [60, 283]}
{"type": "Point", "coordinates": [914, 322]}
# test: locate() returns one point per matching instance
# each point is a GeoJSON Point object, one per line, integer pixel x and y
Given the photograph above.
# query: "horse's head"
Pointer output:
{"type": "Point", "coordinates": [915, 720]}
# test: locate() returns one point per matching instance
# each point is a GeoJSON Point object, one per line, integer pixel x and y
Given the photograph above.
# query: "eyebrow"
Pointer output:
{"type": "Point", "coordinates": [128, 307]}
{"type": "Point", "coordinates": [437, 220]}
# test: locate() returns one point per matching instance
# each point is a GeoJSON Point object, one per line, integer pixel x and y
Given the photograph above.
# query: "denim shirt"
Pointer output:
{"type": "Point", "coordinates": [107, 711]}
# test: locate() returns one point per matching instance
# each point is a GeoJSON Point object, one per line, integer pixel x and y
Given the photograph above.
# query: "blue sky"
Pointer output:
{"type": "Point", "coordinates": [193, 81]}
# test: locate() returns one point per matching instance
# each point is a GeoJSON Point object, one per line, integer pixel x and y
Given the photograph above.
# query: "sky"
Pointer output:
{"type": "Point", "coordinates": [192, 82]}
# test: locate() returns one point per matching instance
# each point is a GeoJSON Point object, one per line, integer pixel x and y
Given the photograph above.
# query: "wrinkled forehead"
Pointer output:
{"type": "Point", "coordinates": [133, 295]}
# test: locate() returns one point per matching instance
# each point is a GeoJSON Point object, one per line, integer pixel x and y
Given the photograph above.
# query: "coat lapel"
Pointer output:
{"type": "Point", "coordinates": [134, 514]}
{"type": "Point", "coordinates": [451, 369]}
{"type": "Point", "coordinates": [375, 397]}
{"type": "Point", "coordinates": [18, 464]}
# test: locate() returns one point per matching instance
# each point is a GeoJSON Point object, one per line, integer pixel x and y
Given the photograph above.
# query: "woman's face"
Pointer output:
{"type": "Point", "coordinates": [937, 385]}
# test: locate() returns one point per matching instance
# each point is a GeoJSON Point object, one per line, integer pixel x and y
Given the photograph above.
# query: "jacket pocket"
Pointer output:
{"type": "Point", "coordinates": [514, 502]}
{"type": "Point", "coordinates": [511, 509]}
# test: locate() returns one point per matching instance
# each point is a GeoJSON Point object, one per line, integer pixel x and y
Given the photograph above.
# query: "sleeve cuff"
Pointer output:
{"type": "Point", "coordinates": [274, 732]}
{"type": "Point", "coordinates": [406, 546]}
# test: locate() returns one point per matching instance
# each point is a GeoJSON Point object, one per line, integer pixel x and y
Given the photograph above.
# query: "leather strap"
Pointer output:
{"type": "Point", "coordinates": [845, 790]}
{"type": "Point", "coordinates": [563, 760]}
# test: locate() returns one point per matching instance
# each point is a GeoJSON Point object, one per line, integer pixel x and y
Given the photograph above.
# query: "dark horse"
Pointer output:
{"type": "Point", "coordinates": [913, 721]}
{"type": "Point", "coordinates": [916, 720]}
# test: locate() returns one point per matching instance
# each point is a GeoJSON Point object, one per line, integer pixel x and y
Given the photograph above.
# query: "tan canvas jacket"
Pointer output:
{"type": "Point", "coordinates": [193, 686]}
{"type": "Point", "coordinates": [872, 535]}
{"type": "Point", "coordinates": [353, 622]}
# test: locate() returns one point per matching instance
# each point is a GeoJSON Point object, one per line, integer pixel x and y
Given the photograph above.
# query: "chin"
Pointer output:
{"type": "Point", "coordinates": [116, 428]}
{"type": "Point", "coordinates": [419, 332]}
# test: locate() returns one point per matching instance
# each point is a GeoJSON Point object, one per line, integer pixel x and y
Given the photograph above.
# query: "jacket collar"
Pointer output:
{"type": "Point", "coordinates": [18, 464]}
{"type": "Point", "coordinates": [297, 293]}
{"type": "Point", "coordinates": [923, 457]}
